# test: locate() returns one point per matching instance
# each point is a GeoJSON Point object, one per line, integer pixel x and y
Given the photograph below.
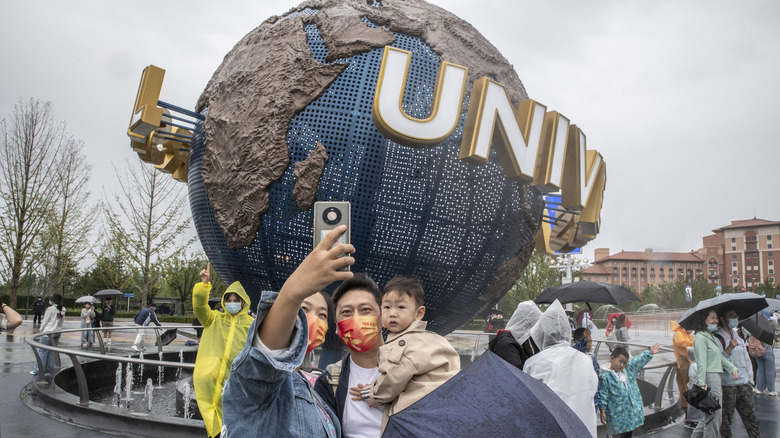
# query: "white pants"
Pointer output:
{"type": "Point", "coordinates": [139, 338]}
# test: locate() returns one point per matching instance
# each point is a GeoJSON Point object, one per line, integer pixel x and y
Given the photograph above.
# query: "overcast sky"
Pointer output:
{"type": "Point", "coordinates": [680, 97]}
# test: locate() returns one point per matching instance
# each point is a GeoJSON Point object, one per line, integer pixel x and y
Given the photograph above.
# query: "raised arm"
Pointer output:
{"type": "Point", "coordinates": [200, 298]}
{"type": "Point", "coordinates": [13, 319]}
{"type": "Point", "coordinates": [316, 271]}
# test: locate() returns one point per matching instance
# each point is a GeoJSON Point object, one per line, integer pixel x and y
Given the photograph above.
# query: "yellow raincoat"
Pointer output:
{"type": "Point", "coordinates": [681, 341]}
{"type": "Point", "coordinates": [224, 336]}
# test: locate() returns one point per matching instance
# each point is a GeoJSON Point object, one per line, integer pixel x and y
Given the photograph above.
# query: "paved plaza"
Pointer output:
{"type": "Point", "coordinates": [17, 420]}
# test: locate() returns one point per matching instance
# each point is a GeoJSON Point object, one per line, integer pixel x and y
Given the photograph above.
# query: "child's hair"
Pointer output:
{"type": "Point", "coordinates": [577, 334]}
{"type": "Point", "coordinates": [329, 302]}
{"type": "Point", "coordinates": [359, 281]}
{"type": "Point", "coordinates": [406, 286]}
{"type": "Point", "coordinates": [621, 321]}
{"type": "Point", "coordinates": [618, 351]}
{"type": "Point", "coordinates": [57, 299]}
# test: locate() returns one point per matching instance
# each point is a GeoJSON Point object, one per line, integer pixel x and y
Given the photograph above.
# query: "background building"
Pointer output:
{"type": "Point", "coordinates": [748, 249]}
{"type": "Point", "coordinates": [740, 255]}
{"type": "Point", "coordinates": [640, 269]}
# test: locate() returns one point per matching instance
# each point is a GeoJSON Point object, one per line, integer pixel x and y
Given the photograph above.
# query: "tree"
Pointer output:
{"type": "Point", "coordinates": [147, 219]}
{"type": "Point", "coordinates": [69, 223]}
{"type": "Point", "coordinates": [182, 272]}
{"type": "Point", "coordinates": [536, 277]}
{"type": "Point", "coordinates": [30, 152]}
{"type": "Point", "coordinates": [672, 295]}
{"type": "Point", "coordinates": [768, 287]}
{"type": "Point", "coordinates": [110, 270]}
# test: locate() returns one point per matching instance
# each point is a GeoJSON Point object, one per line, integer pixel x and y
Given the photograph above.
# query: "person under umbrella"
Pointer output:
{"type": "Point", "coordinates": [514, 344]}
{"type": "Point", "coordinates": [710, 364]}
{"type": "Point", "coordinates": [87, 315]}
{"type": "Point", "coordinates": [568, 372]}
{"type": "Point", "coordinates": [765, 369]}
{"type": "Point", "coordinates": [736, 393]}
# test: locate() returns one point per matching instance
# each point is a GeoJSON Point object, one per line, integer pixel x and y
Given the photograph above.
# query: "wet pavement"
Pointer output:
{"type": "Point", "coordinates": [17, 420]}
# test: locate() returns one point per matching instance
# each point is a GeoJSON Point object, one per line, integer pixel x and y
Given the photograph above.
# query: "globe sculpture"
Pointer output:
{"type": "Point", "coordinates": [288, 121]}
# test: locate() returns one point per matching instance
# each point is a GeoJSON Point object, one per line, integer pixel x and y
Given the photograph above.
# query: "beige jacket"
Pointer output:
{"type": "Point", "coordinates": [412, 364]}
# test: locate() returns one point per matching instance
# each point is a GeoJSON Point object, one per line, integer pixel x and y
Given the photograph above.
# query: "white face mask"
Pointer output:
{"type": "Point", "coordinates": [232, 308]}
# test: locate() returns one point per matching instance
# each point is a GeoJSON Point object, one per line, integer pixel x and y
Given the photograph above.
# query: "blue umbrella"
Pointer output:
{"type": "Point", "coordinates": [774, 304]}
{"type": "Point", "coordinates": [490, 398]}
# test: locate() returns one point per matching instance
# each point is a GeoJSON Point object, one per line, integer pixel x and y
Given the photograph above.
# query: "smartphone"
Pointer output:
{"type": "Point", "coordinates": [329, 215]}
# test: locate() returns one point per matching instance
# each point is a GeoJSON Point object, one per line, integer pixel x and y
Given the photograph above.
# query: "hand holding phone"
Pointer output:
{"type": "Point", "coordinates": [329, 215]}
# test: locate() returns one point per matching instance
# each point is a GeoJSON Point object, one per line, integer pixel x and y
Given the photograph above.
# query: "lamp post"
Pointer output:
{"type": "Point", "coordinates": [565, 263]}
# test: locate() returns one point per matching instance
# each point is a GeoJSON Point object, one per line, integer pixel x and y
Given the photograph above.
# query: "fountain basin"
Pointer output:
{"type": "Point", "coordinates": [59, 399]}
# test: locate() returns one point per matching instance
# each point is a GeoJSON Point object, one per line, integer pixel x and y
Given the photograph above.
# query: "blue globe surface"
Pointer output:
{"type": "Point", "coordinates": [417, 212]}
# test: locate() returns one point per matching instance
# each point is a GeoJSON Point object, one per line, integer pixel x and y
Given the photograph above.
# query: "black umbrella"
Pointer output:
{"type": "Point", "coordinates": [108, 292]}
{"type": "Point", "coordinates": [746, 304]}
{"type": "Point", "coordinates": [167, 337]}
{"type": "Point", "coordinates": [588, 292]}
{"type": "Point", "coordinates": [760, 327]}
{"type": "Point", "coordinates": [490, 398]}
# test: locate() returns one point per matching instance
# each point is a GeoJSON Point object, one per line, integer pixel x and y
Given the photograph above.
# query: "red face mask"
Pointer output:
{"type": "Point", "coordinates": [317, 330]}
{"type": "Point", "coordinates": [360, 333]}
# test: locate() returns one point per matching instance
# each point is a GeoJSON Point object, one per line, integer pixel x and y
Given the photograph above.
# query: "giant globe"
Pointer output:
{"type": "Point", "coordinates": [288, 122]}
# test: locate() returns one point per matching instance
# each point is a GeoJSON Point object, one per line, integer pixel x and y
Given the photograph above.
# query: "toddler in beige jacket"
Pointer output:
{"type": "Point", "coordinates": [412, 362]}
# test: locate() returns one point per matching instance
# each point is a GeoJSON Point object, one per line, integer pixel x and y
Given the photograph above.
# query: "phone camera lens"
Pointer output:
{"type": "Point", "coordinates": [331, 215]}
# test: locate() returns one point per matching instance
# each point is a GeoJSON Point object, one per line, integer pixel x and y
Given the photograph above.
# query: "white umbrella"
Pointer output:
{"type": "Point", "coordinates": [774, 304]}
{"type": "Point", "coordinates": [87, 299]}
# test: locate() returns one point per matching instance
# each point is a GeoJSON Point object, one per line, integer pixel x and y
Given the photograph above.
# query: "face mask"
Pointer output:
{"type": "Point", "coordinates": [232, 308]}
{"type": "Point", "coordinates": [712, 327]}
{"type": "Point", "coordinates": [317, 330]}
{"type": "Point", "coordinates": [359, 333]}
{"type": "Point", "coordinates": [733, 323]}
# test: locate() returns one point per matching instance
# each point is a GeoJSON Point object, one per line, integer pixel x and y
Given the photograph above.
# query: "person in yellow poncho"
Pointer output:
{"type": "Point", "coordinates": [681, 341]}
{"type": "Point", "coordinates": [224, 336]}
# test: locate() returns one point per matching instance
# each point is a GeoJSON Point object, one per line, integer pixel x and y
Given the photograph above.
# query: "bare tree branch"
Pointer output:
{"type": "Point", "coordinates": [31, 143]}
{"type": "Point", "coordinates": [149, 218]}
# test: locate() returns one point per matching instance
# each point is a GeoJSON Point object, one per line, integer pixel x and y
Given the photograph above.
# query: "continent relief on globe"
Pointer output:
{"type": "Point", "coordinates": [270, 76]}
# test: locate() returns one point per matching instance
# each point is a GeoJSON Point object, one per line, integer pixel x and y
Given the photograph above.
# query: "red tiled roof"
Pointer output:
{"type": "Point", "coordinates": [654, 256]}
{"type": "Point", "coordinates": [747, 223]}
{"type": "Point", "coordinates": [596, 269]}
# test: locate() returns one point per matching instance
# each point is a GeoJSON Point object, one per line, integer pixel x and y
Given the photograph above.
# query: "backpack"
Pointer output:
{"type": "Point", "coordinates": [755, 348]}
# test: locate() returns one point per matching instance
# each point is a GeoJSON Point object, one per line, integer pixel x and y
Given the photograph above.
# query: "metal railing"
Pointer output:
{"type": "Point", "coordinates": [74, 355]}
{"type": "Point", "coordinates": [667, 380]}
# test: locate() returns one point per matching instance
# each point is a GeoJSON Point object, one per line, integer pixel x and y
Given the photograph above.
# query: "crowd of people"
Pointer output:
{"type": "Point", "coordinates": [719, 358]}
{"type": "Point", "coordinates": [248, 378]}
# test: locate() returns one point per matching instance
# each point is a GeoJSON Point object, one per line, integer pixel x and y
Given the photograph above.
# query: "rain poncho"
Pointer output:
{"type": "Point", "coordinates": [508, 343]}
{"type": "Point", "coordinates": [523, 320]}
{"type": "Point", "coordinates": [568, 372]}
{"type": "Point", "coordinates": [224, 335]}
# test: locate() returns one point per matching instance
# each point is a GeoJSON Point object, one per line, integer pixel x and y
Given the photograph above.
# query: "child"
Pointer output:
{"type": "Point", "coordinates": [621, 404]}
{"type": "Point", "coordinates": [413, 362]}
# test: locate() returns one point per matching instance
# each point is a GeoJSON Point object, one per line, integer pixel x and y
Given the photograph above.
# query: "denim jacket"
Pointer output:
{"type": "Point", "coordinates": [266, 396]}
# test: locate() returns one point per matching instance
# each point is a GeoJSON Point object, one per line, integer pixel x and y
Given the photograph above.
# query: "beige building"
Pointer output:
{"type": "Point", "coordinates": [640, 269]}
{"type": "Point", "coordinates": [740, 255]}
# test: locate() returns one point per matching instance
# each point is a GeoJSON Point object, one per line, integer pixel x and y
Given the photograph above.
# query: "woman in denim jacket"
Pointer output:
{"type": "Point", "coordinates": [265, 394]}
